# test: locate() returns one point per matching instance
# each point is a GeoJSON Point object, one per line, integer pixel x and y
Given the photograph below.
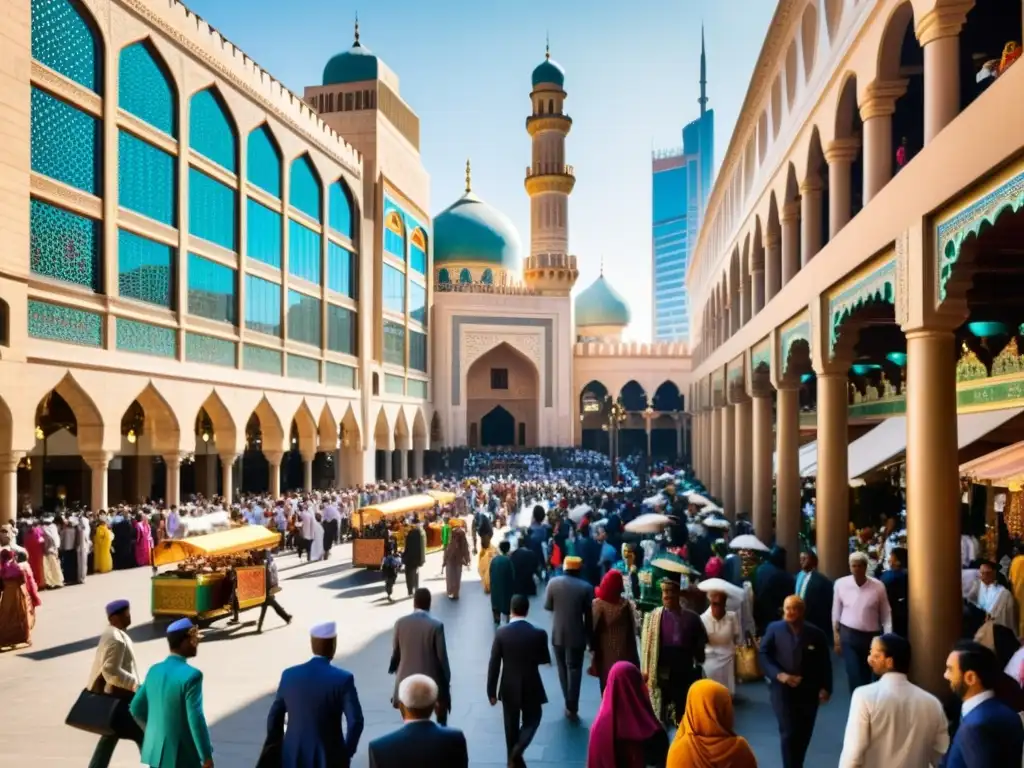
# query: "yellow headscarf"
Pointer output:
{"type": "Point", "coordinates": [705, 738]}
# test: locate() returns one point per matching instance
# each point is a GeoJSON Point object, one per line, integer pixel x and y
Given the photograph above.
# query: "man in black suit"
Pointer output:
{"type": "Point", "coordinates": [795, 658]}
{"type": "Point", "coordinates": [414, 556]}
{"type": "Point", "coordinates": [815, 589]}
{"type": "Point", "coordinates": [419, 741]}
{"type": "Point", "coordinates": [518, 650]}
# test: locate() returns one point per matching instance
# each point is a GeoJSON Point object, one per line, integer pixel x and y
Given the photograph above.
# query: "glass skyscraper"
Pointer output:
{"type": "Point", "coordinates": [681, 183]}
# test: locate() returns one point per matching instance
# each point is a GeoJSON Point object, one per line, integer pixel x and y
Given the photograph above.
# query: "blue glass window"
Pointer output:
{"type": "Point", "coordinates": [200, 348]}
{"type": "Point", "coordinates": [56, 322]}
{"type": "Point", "coordinates": [417, 302]}
{"type": "Point", "coordinates": [144, 87]}
{"type": "Point", "coordinates": [264, 161]}
{"type": "Point", "coordinates": [263, 233]}
{"type": "Point", "coordinates": [145, 269]}
{"type": "Point", "coordinates": [262, 305]}
{"type": "Point", "coordinates": [65, 246]}
{"type": "Point", "coordinates": [304, 193]}
{"type": "Point", "coordinates": [339, 375]}
{"type": "Point", "coordinates": [418, 351]}
{"type": "Point", "coordinates": [303, 252]}
{"type": "Point", "coordinates": [394, 290]}
{"type": "Point", "coordinates": [64, 39]}
{"type": "Point", "coordinates": [261, 359]}
{"type": "Point", "coordinates": [341, 270]}
{"type": "Point", "coordinates": [303, 318]}
{"type": "Point", "coordinates": [210, 131]}
{"type": "Point", "coordinates": [394, 343]}
{"type": "Point", "coordinates": [212, 213]}
{"type": "Point", "coordinates": [66, 143]}
{"type": "Point", "coordinates": [339, 209]}
{"type": "Point", "coordinates": [302, 367]}
{"type": "Point", "coordinates": [211, 289]}
{"type": "Point", "coordinates": [465, 276]}
{"type": "Point", "coordinates": [443, 277]}
{"type": "Point", "coordinates": [394, 242]}
{"type": "Point", "coordinates": [341, 330]}
{"type": "Point", "coordinates": [146, 179]}
{"type": "Point", "coordinates": [487, 278]}
{"type": "Point", "coordinates": [418, 254]}
{"type": "Point", "coordinates": [145, 338]}
{"type": "Point", "coordinates": [416, 388]}
{"type": "Point", "coordinates": [394, 385]}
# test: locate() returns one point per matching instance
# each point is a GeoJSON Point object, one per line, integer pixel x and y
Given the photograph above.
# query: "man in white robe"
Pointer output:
{"type": "Point", "coordinates": [995, 599]}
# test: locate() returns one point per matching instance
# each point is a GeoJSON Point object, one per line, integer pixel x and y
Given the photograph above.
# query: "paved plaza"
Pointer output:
{"type": "Point", "coordinates": [242, 670]}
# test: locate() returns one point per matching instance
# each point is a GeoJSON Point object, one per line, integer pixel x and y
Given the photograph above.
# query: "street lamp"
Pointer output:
{"type": "Point", "coordinates": [649, 417]}
{"type": "Point", "coordinates": [615, 413]}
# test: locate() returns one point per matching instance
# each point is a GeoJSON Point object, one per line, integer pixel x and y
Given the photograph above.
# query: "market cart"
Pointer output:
{"type": "Point", "coordinates": [370, 525]}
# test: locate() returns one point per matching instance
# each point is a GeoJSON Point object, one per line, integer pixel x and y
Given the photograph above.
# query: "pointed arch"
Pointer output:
{"type": "Point", "coordinates": [275, 439]}
{"type": "Point", "coordinates": [67, 39]}
{"type": "Point", "coordinates": [225, 432]}
{"type": "Point", "coordinates": [833, 17]}
{"type": "Point", "coordinates": [383, 433]}
{"type": "Point", "coordinates": [263, 160]}
{"type": "Point", "coordinates": [420, 433]}
{"type": "Point", "coordinates": [809, 37]}
{"type": "Point", "coordinates": [146, 86]}
{"type": "Point", "coordinates": [633, 396]}
{"type": "Point", "coordinates": [418, 250]}
{"type": "Point", "coordinates": [87, 415]}
{"type": "Point", "coordinates": [305, 193]}
{"type": "Point", "coordinates": [667, 397]}
{"type": "Point", "coordinates": [305, 424]}
{"type": "Point", "coordinates": [351, 434]}
{"type": "Point", "coordinates": [161, 421]}
{"type": "Point", "coordinates": [403, 432]}
{"type": "Point", "coordinates": [327, 428]}
{"type": "Point", "coordinates": [341, 209]}
{"type": "Point", "coordinates": [212, 131]}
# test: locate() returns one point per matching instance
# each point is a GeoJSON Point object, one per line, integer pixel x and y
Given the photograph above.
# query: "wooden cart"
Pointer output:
{"type": "Point", "coordinates": [368, 551]}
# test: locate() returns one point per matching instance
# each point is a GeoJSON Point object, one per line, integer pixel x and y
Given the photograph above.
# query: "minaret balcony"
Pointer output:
{"type": "Point", "coordinates": [549, 177]}
{"type": "Point", "coordinates": [537, 123]}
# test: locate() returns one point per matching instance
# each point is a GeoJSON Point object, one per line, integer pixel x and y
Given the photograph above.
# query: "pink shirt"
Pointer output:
{"type": "Point", "coordinates": [865, 608]}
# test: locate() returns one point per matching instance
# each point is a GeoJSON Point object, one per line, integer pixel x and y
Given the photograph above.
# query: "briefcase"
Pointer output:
{"type": "Point", "coordinates": [748, 668]}
{"type": "Point", "coordinates": [94, 712]}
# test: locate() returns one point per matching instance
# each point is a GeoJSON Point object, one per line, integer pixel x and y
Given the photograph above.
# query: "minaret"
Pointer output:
{"type": "Point", "coordinates": [549, 182]}
{"type": "Point", "coordinates": [703, 100]}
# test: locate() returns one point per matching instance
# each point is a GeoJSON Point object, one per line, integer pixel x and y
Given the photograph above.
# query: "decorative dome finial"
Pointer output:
{"type": "Point", "coordinates": [547, 46]}
{"type": "Point", "coordinates": [469, 185]}
{"type": "Point", "coordinates": [602, 266]}
{"type": "Point", "coordinates": [356, 44]}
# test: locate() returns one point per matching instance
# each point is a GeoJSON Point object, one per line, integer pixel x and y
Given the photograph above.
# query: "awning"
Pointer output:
{"type": "Point", "coordinates": [1003, 468]}
{"type": "Point", "coordinates": [807, 461]}
{"type": "Point", "coordinates": [230, 542]}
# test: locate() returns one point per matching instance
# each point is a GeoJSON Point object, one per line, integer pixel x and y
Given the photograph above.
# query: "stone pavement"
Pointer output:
{"type": "Point", "coordinates": [242, 670]}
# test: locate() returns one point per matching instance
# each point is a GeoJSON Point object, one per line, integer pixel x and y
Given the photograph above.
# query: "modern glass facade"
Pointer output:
{"type": "Point", "coordinates": [393, 290]}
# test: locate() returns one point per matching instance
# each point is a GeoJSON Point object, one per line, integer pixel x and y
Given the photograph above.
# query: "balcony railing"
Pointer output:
{"type": "Point", "coordinates": [549, 169]}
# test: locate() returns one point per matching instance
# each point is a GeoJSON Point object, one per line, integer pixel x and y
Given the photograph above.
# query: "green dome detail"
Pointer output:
{"type": "Point", "coordinates": [549, 71]}
{"type": "Point", "coordinates": [351, 66]}
{"type": "Point", "coordinates": [470, 230]}
{"type": "Point", "coordinates": [600, 304]}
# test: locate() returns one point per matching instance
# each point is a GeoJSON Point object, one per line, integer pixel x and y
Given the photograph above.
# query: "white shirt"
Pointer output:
{"type": "Point", "coordinates": [895, 724]}
{"type": "Point", "coordinates": [974, 701]}
{"type": "Point", "coordinates": [115, 661]}
{"type": "Point", "coordinates": [308, 522]}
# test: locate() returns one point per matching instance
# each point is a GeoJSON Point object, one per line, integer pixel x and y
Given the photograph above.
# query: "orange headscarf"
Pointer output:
{"type": "Point", "coordinates": [705, 738]}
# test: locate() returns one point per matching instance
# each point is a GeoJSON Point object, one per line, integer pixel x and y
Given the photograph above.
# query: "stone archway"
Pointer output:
{"type": "Point", "coordinates": [504, 377]}
{"type": "Point", "coordinates": [497, 428]}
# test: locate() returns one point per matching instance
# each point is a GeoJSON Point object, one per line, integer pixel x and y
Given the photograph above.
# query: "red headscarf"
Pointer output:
{"type": "Point", "coordinates": [611, 588]}
{"type": "Point", "coordinates": [625, 715]}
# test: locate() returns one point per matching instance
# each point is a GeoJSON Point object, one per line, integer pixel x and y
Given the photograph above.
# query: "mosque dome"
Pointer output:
{"type": "Point", "coordinates": [351, 66]}
{"type": "Point", "coordinates": [549, 71]}
{"type": "Point", "coordinates": [470, 230]}
{"type": "Point", "coordinates": [601, 305]}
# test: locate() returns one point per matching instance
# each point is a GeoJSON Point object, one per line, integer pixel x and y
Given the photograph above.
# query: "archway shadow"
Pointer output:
{"type": "Point", "coordinates": [139, 633]}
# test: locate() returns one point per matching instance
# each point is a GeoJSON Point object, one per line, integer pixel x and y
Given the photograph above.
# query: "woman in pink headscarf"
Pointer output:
{"type": "Point", "coordinates": [143, 540]}
{"type": "Point", "coordinates": [17, 614]}
{"type": "Point", "coordinates": [35, 545]}
{"type": "Point", "coordinates": [626, 733]}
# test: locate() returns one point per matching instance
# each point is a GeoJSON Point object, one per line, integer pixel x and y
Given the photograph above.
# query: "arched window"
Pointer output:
{"type": "Point", "coordinates": [305, 194]}
{"type": "Point", "coordinates": [211, 132]}
{"type": "Point", "coordinates": [488, 277]}
{"type": "Point", "coordinates": [394, 235]}
{"type": "Point", "coordinates": [67, 143]}
{"type": "Point", "coordinates": [64, 38]}
{"type": "Point", "coordinates": [465, 277]}
{"type": "Point", "coordinates": [5, 324]}
{"type": "Point", "coordinates": [376, 384]}
{"type": "Point", "coordinates": [339, 209]}
{"type": "Point", "coordinates": [263, 160]}
{"type": "Point", "coordinates": [443, 277]}
{"type": "Point", "coordinates": [212, 205]}
{"type": "Point", "coordinates": [146, 87]}
{"type": "Point", "coordinates": [551, 106]}
{"type": "Point", "coordinates": [418, 251]}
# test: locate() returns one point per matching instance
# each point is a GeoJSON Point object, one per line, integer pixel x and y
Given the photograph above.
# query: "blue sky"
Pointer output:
{"type": "Point", "coordinates": [632, 74]}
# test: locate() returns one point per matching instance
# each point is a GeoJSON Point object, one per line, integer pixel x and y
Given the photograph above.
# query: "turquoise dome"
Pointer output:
{"type": "Point", "coordinates": [470, 230]}
{"type": "Point", "coordinates": [549, 71]}
{"type": "Point", "coordinates": [600, 304]}
{"type": "Point", "coordinates": [351, 66]}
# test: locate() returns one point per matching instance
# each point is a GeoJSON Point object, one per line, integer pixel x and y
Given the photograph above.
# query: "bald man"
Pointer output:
{"type": "Point", "coordinates": [795, 659]}
{"type": "Point", "coordinates": [420, 741]}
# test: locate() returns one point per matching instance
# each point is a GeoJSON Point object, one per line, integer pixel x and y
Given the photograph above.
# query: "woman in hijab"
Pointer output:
{"type": "Point", "coordinates": [614, 628]}
{"type": "Point", "coordinates": [17, 613]}
{"type": "Point", "coordinates": [625, 733]}
{"type": "Point", "coordinates": [705, 738]}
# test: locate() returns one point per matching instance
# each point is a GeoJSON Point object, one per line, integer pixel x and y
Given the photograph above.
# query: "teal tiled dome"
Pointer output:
{"type": "Point", "coordinates": [470, 230]}
{"type": "Point", "coordinates": [601, 305]}
{"type": "Point", "coordinates": [351, 66]}
{"type": "Point", "coordinates": [549, 71]}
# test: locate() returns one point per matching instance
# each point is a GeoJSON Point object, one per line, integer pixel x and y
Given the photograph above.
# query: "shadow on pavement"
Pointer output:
{"type": "Point", "coordinates": [139, 633]}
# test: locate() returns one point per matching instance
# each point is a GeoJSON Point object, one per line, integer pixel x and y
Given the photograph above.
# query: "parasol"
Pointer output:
{"type": "Point", "coordinates": [657, 500]}
{"type": "Point", "coordinates": [698, 499]}
{"type": "Point", "coordinates": [748, 541]}
{"type": "Point", "coordinates": [579, 512]}
{"type": "Point", "coordinates": [715, 522]}
{"type": "Point", "coordinates": [674, 564]}
{"type": "Point", "coordinates": [721, 585]}
{"type": "Point", "coordinates": [651, 522]}
{"type": "Point", "coordinates": [664, 478]}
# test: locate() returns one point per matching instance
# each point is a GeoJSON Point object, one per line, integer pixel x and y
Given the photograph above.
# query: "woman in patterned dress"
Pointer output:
{"type": "Point", "coordinates": [614, 628]}
{"type": "Point", "coordinates": [17, 614]}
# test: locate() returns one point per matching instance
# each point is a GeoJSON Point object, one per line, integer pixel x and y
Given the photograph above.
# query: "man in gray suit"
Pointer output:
{"type": "Point", "coordinates": [570, 598]}
{"type": "Point", "coordinates": [419, 649]}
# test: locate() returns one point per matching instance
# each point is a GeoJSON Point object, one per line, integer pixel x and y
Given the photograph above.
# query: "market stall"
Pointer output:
{"type": "Point", "coordinates": [371, 523]}
{"type": "Point", "coordinates": [201, 586]}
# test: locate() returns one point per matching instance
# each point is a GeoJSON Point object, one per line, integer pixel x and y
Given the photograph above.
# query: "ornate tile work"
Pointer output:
{"type": "Point", "coordinates": [146, 179]}
{"type": "Point", "coordinates": [200, 348]}
{"type": "Point", "coordinates": [58, 323]}
{"type": "Point", "coordinates": [339, 375]}
{"type": "Point", "coordinates": [800, 331]}
{"type": "Point", "coordinates": [261, 359]}
{"type": "Point", "coordinates": [145, 270]}
{"type": "Point", "coordinates": [212, 210]}
{"type": "Point", "coordinates": [64, 39]}
{"type": "Point", "coordinates": [878, 286]}
{"type": "Point", "coordinates": [300, 367]}
{"type": "Point", "coordinates": [144, 88]}
{"type": "Point", "coordinates": [146, 339]}
{"type": "Point", "coordinates": [210, 131]}
{"type": "Point", "coordinates": [66, 143]}
{"type": "Point", "coordinates": [65, 246]}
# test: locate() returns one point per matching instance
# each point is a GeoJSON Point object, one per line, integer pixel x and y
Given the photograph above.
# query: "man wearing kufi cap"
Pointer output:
{"type": "Point", "coordinates": [315, 696]}
{"type": "Point", "coordinates": [420, 741]}
{"type": "Point", "coordinates": [116, 673]}
{"type": "Point", "coordinates": [172, 689]}
{"type": "Point", "coordinates": [570, 598]}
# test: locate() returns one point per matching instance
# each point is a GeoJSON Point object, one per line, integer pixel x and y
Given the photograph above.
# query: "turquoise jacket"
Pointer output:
{"type": "Point", "coordinates": [169, 706]}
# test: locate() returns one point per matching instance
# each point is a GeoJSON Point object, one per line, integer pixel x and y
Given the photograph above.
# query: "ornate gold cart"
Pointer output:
{"type": "Point", "coordinates": [368, 550]}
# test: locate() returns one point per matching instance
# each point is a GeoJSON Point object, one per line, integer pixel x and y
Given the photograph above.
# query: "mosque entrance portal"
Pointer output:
{"type": "Point", "coordinates": [502, 390]}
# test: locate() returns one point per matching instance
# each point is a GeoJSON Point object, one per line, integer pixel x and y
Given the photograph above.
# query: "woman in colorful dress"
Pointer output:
{"type": "Point", "coordinates": [16, 611]}
{"type": "Point", "coordinates": [456, 557]}
{"type": "Point", "coordinates": [35, 544]}
{"type": "Point", "coordinates": [614, 628]}
{"type": "Point", "coordinates": [143, 540]}
{"type": "Point", "coordinates": [102, 559]}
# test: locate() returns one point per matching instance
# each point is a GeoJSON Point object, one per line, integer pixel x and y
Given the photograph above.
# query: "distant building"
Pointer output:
{"type": "Point", "coordinates": [681, 182]}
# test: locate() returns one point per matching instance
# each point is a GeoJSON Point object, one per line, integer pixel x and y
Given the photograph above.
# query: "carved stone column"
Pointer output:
{"type": "Point", "coordinates": [790, 241]}
{"type": "Point", "coordinates": [787, 472]}
{"type": "Point", "coordinates": [876, 112]}
{"type": "Point", "coordinates": [840, 156]}
{"type": "Point", "coordinates": [938, 32]}
{"type": "Point", "coordinates": [772, 265]}
{"type": "Point", "coordinates": [832, 507]}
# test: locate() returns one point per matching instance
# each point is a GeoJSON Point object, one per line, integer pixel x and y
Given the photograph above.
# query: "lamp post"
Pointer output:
{"type": "Point", "coordinates": [649, 417]}
{"type": "Point", "coordinates": [615, 414]}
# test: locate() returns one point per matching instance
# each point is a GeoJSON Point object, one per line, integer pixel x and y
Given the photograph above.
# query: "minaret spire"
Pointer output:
{"type": "Point", "coordinates": [547, 46]}
{"type": "Point", "coordinates": [469, 184]}
{"type": "Point", "coordinates": [356, 43]}
{"type": "Point", "coordinates": [703, 100]}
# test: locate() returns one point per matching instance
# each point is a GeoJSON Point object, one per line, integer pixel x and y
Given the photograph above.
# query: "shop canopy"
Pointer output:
{"type": "Point", "coordinates": [395, 508]}
{"type": "Point", "coordinates": [230, 542]}
{"type": "Point", "coordinates": [1003, 468]}
{"type": "Point", "coordinates": [444, 497]}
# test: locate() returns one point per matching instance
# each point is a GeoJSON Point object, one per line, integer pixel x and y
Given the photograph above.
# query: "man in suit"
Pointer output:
{"type": "Point", "coordinates": [897, 588]}
{"type": "Point", "coordinates": [419, 741]}
{"type": "Point", "coordinates": [419, 648]}
{"type": "Point", "coordinates": [990, 733]}
{"type": "Point", "coordinates": [414, 556]}
{"type": "Point", "coordinates": [116, 673]}
{"type": "Point", "coordinates": [815, 589]}
{"type": "Point", "coordinates": [518, 650]}
{"type": "Point", "coordinates": [892, 722]}
{"type": "Point", "coordinates": [315, 696]}
{"type": "Point", "coordinates": [169, 706]}
{"type": "Point", "coordinates": [795, 657]}
{"type": "Point", "coordinates": [570, 598]}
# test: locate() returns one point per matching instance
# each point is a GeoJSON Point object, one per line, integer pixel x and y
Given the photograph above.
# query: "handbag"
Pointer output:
{"type": "Point", "coordinates": [748, 668]}
{"type": "Point", "coordinates": [94, 711]}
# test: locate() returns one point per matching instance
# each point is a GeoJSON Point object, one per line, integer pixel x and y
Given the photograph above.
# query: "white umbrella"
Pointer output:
{"type": "Point", "coordinates": [721, 585]}
{"type": "Point", "coordinates": [648, 523]}
{"type": "Point", "coordinates": [715, 522]}
{"type": "Point", "coordinates": [601, 523]}
{"type": "Point", "coordinates": [664, 478]}
{"type": "Point", "coordinates": [578, 513]}
{"type": "Point", "coordinates": [698, 499]}
{"type": "Point", "coordinates": [657, 500]}
{"type": "Point", "coordinates": [749, 541]}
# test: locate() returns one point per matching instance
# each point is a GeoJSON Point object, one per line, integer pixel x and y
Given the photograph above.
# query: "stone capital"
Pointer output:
{"type": "Point", "coordinates": [811, 187]}
{"type": "Point", "coordinates": [842, 151]}
{"type": "Point", "coordinates": [229, 458]}
{"type": "Point", "coordinates": [307, 457]}
{"type": "Point", "coordinates": [790, 212]}
{"type": "Point", "coordinates": [172, 460]}
{"type": "Point", "coordinates": [772, 240]}
{"type": "Point", "coordinates": [273, 457]}
{"type": "Point", "coordinates": [879, 98]}
{"type": "Point", "coordinates": [9, 461]}
{"type": "Point", "coordinates": [945, 20]}
{"type": "Point", "coordinates": [98, 461]}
